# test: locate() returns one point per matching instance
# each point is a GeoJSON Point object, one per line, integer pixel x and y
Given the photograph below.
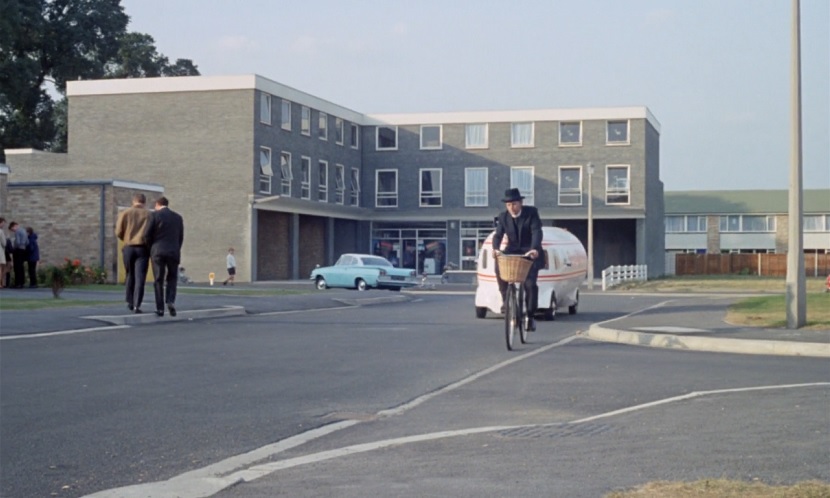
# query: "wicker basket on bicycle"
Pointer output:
{"type": "Point", "coordinates": [513, 268]}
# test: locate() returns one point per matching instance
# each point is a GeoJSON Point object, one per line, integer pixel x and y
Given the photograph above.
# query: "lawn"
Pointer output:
{"type": "Point", "coordinates": [724, 488]}
{"type": "Point", "coordinates": [718, 283]}
{"type": "Point", "coordinates": [770, 311]}
{"type": "Point", "coordinates": [36, 304]}
{"type": "Point", "coordinates": [210, 291]}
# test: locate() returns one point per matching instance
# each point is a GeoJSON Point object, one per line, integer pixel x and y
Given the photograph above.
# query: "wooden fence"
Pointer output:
{"type": "Point", "coordinates": [769, 265]}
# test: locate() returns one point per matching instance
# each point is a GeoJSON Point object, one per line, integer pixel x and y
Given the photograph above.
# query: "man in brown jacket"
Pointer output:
{"type": "Point", "coordinates": [130, 229]}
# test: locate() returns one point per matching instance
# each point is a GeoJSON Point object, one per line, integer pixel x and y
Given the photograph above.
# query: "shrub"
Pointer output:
{"type": "Point", "coordinates": [71, 272]}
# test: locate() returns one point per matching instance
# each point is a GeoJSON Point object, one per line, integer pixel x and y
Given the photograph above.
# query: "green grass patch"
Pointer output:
{"type": "Point", "coordinates": [718, 283]}
{"type": "Point", "coordinates": [725, 488]}
{"type": "Point", "coordinates": [15, 304]}
{"type": "Point", "coordinates": [184, 289]}
{"type": "Point", "coordinates": [771, 311]}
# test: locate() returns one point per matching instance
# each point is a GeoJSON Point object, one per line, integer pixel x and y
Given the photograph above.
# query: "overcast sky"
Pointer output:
{"type": "Point", "coordinates": [715, 73]}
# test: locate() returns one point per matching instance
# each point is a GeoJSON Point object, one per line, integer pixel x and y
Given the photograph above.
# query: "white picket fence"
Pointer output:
{"type": "Point", "coordinates": [613, 275]}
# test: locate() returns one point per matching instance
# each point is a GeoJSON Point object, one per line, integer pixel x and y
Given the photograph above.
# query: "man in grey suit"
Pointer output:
{"type": "Point", "coordinates": [165, 234]}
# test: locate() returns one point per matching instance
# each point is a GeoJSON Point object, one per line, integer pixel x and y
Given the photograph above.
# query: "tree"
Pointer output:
{"type": "Point", "coordinates": [46, 43]}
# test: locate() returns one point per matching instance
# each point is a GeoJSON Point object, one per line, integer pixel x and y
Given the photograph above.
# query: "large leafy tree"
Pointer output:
{"type": "Point", "coordinates": [45, 43]}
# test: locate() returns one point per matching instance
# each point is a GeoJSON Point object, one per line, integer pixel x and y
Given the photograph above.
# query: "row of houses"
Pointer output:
{"type": "Point", "coordinates": [292, 180]}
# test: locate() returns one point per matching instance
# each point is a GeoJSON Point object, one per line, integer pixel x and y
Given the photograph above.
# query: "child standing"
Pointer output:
{"type": "Point", "coordinates": [231, 264]}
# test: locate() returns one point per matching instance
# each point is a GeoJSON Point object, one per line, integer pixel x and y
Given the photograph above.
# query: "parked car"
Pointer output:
{"type": "Point", "coordinates": [361, 272]}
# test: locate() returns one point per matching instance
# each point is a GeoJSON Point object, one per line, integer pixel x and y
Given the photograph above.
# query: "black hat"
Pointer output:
{"type": "Point", "coordinates": [512, 195]}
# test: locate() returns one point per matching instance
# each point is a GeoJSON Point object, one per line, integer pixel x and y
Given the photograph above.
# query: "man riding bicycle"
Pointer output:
{"type": "Point", "coordinates": [523, 228]}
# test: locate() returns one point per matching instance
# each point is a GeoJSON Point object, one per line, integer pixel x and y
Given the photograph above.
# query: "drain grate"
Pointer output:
{"type": "Point", "coordinates": [557, 431]}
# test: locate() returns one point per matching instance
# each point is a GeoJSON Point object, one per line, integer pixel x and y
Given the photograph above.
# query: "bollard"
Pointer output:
{"type": "Point", "coordinates": [211, 276]}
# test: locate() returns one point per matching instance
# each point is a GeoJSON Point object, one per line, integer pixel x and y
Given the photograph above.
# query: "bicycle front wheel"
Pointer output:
{"type": "Point", "coordinates": [509, 316]}
{"type": "Point", "coordinates": [520, 314]}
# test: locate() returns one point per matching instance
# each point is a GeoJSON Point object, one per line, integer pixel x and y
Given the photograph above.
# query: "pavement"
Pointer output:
{"type": "Point", "coordinates": [683, 321]}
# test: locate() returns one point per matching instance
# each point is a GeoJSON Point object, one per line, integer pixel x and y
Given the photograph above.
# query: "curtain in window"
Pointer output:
{"type": "Point", "coordinates": [522, 179]}
{"type": "Point", "coordinates": [522, 133]}
{"type": "Point", "coordinates": [265, 162]}
{"type": "Point", "coordinates": [475, 187]}
{"type": "Point", "coordinates": [476, 135]}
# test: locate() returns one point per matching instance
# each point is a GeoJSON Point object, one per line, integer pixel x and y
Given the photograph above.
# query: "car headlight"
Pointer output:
{"type": "Point", "coordinates": [383, 273]}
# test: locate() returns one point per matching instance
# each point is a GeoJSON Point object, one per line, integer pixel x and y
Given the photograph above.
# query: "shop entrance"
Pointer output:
{"type": "Point", "coordinates": [423, 249]}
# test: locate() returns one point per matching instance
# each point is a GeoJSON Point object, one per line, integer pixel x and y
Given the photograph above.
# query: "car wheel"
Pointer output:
{"type": "Point", "coordinates": [481, 312]}
{"type": "Point", "coordinates": [320, 283]}
{"type": "Point", "coordinates": [572, 309]}
{"type": "Point", "coordinates": [395, 289]}
{"type": "Point", "coordinates": [361, 284]}
{"type": "Point", "coordinates": [550, 313]}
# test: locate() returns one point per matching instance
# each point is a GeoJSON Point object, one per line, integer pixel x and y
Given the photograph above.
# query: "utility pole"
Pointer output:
{"type": "Point", "coordinates": [590, 226]}
{"type": "Point", "coordinates": [796, 284]}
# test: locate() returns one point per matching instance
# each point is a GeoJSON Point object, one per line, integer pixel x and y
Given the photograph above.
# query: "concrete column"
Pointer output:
{"type": "Point", "coordinates": [294, 226]}
{"type": "Point", "coordinates": [330, 241]}
{"type": "Point", "coordinates": [253, 219]}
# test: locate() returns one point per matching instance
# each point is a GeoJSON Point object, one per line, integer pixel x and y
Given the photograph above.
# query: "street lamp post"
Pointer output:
{"type": "Point", "coordinates": [590, 226]}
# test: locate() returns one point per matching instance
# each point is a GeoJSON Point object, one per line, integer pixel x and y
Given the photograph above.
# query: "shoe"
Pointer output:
{"type": "Point", "coordinates": [33, 286]}
{"type": "Point", "coordinates": [225, 282]}
{"type": "Point", "coordinates": [171, 309]}
{"type": "Point", "coordinates": [160, 312]}
{"type": "Point", "coordinates": [130, 307]}
{"type": "Point", "coordinates": [138, 311]}
{"type": "Point", "coordinates": [502, 309]}
{"type": "Point", "coordinates": [530, 324]}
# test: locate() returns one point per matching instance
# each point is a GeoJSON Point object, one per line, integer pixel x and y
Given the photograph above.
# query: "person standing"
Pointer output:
{"type": "Point", "coordinates": [34, 257]}
{"type": "Point", "coordinates": [164, 235]}
{"type": "Point", "coordinates": [3, 260]}
{"type": "Point", "coordinates": [129, 228]}
{"type": "Point", "coordinates": [230, 262]}
{"type": "Point", "coordinates": [20, 244]}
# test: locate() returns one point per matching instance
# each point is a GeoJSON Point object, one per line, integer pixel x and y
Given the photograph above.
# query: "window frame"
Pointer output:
{"type": "Point", "coordinates": [608, 140]}
{"type": "Point", "coordinates": [339, 131]}
{"type": "Point", "coordinates": [285, 182]}
{"type": "Point", "coordinates": [386, 195]}
{"type": "Point", "coordinates": [354, 136]}
{"type": "Point", "coordinates": [578, 142]}
{"type": "Point", "coordinates": [322, 180]}
{"type": "Point", "coordinates": [530, 198]}
{"type": "Point", "coordinates": [305, 185]}
{"type": "Point", "coordinates": [440, 137]}
{"type": "Point", "coordinates": [468, 194]}
{"type": "Point", "coordinates": [618, 191]}
{"type": "Point", "coordinates": [513, 144]}
{"type": "Point", "coordinates": [354, 186]}
{"type": "Point", "coordinates": [263, 98]}
{"type": "Point", "coordinates": [285, 117]}
{"type": "Point", "coordinates": [377, 138]}
{"type": "Point", "coordinates": [432, 194]}
{"type": "Point", "coordinates": [265, 176]}
{"type": "Point", "coordinates": [339, 189]}
{"type": "Point", "coordinates": [570, 191]}
{"type": "Point", "coordinates": [323, 126]}
{"type": "Point", "coordinates": [486, 144]}
{"type": "Point", "coordinates": [305, 120]}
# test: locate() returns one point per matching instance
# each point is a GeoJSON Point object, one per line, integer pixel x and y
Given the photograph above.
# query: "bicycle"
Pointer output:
{"type": "Point", "coordinates": [513, 269]}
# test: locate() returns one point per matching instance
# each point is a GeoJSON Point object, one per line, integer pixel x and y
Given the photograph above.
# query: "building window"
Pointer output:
{"type": "Point", "coordinates": [617, 187]}
{"type": "Point", "coordinates": [675, 224]}
{"type": "Point", "coordinates": [521, 177]}
{"type": "Point", "coordinates": [305, 121]}
{"type": "Point", "coordinates": [617, 133]}
{"type": "Point", "coordinates": [570, 134]}
{"type": "Point", "coordinates": [323, 181]}
{"type": "Point", "coordinates": [387, 138]}
{"type": "Point", "coordinates": [696, 224]}
{"type": "Point", "coordinates": [570, 185]}
{"type": "Point", "coordinates": [265, 108]}
{"type": "Point", "coordinates": [339, 131]}
{"type": "Point", "coordinates": [386, 188]}
{"type": "Point", "coordinates": [431, 137]}
{"type": "Point", "coordinates": [285, 173]}
{"type": "Point", "coordinates": [430, 187]}
{"type": "Point", "coordinates": [265, 171]}
{"type": "Point", "coordinates": [475, 187]}
{"type": "Point", "coordinates": [305, 183]}
{"type": "Point", "coordinates": [747, 223]}
{"type": "Point", "coordinates": [521, 135]}
{"type": "Point", "coordinates": [323, 126]}
{"type": "Point", "coordinates": [339, 183]}
{"type": "Point", "coordinates": [286, 115]}
{"type": "Point", "coordinates": [353, 136]}
{"type": "Point", "coordinates": [476, 136]}
{"type": "Point", "coordinates": [683, 224]}
{"type": "Point", "coordinates": [816, 223]}
{"type": "Point", "coordinates": [354, 200]}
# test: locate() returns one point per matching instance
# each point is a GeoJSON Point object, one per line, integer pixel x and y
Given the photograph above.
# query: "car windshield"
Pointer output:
{"type": "Point", "coordinates": [374, 261]}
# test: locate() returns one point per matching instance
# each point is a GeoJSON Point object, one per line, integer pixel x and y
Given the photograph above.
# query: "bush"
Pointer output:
{"type": "Point", "coordinates": [71, 272]}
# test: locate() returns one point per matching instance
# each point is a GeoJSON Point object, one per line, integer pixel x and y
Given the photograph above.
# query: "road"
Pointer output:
{"type": "Point", "coordinates": [100, 410]}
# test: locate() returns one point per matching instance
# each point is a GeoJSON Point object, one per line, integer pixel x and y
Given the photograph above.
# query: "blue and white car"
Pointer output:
{"type": "Point", "coordinates": [361, 272]}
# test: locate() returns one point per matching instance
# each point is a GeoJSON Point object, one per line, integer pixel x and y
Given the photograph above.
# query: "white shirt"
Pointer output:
{"type": "Point", "coordinates": [231, 261]}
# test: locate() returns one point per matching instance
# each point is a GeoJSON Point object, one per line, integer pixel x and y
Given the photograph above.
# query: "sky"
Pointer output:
{"type": "Point", "coordinates": [715, 73]}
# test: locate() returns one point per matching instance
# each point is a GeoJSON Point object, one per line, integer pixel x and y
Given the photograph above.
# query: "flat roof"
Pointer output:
{"type": "Point", "coordinates": [257, 82]}
{"type": "Point", "coordinates": [742, 201]}
{"type": "Point", "coordinates": [151, 187]}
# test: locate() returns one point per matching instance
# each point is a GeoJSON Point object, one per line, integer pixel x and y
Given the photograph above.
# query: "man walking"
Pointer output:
{"type": "Point", "coordinates": [164, 235]}
{"type": "Point", "coordinates": [129, 229]}
{"type": "Point", "coordinates": [20, 247]}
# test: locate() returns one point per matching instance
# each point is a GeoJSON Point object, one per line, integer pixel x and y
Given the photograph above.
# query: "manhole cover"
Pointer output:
{"type": "Point", "coordinates": [557, 431]}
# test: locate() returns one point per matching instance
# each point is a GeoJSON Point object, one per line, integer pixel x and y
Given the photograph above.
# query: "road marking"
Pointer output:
{"type": "Point", "coordinates": [290, 312]}
{"type": "Point", "coordinates": [62, 332]}
{"type": "Point", "coordinates": [214, 478]}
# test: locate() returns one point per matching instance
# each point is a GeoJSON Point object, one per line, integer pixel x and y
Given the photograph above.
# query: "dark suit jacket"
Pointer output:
{"type": "Point", "coordinates": [523, 233]}
{"type": "Point", "coordinates": [165, 234]}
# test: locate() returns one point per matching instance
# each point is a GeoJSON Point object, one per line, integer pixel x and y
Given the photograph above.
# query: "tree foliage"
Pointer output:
{"type": "Point", "coordinates": [46, 43]}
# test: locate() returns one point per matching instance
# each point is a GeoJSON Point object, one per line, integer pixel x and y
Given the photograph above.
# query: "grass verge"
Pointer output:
{"type": "Point", "coordinates": [718, 283]}
{"type": "Point", "coordinates": [724, 488]}
{"type": "Point", "coordinates": [38, 304]}
{"type": "Point", "coordinates": [183, 289]}
{"type": "Point", "coordinates": [771, 312]}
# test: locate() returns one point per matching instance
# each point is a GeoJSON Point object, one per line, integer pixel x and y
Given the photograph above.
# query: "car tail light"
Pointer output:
{"type": "Point", "coordinates": [412, 273]}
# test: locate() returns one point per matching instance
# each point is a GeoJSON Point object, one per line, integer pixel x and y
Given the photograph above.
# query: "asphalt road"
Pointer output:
{"type": "Point", "coordinates": [93, 411]}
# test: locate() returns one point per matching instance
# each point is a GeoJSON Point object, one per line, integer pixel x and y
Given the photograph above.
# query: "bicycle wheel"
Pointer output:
{"type": "Point", "coordinates": [509, 316]}
{"type": "Point", "coordinates": [520, 314]}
